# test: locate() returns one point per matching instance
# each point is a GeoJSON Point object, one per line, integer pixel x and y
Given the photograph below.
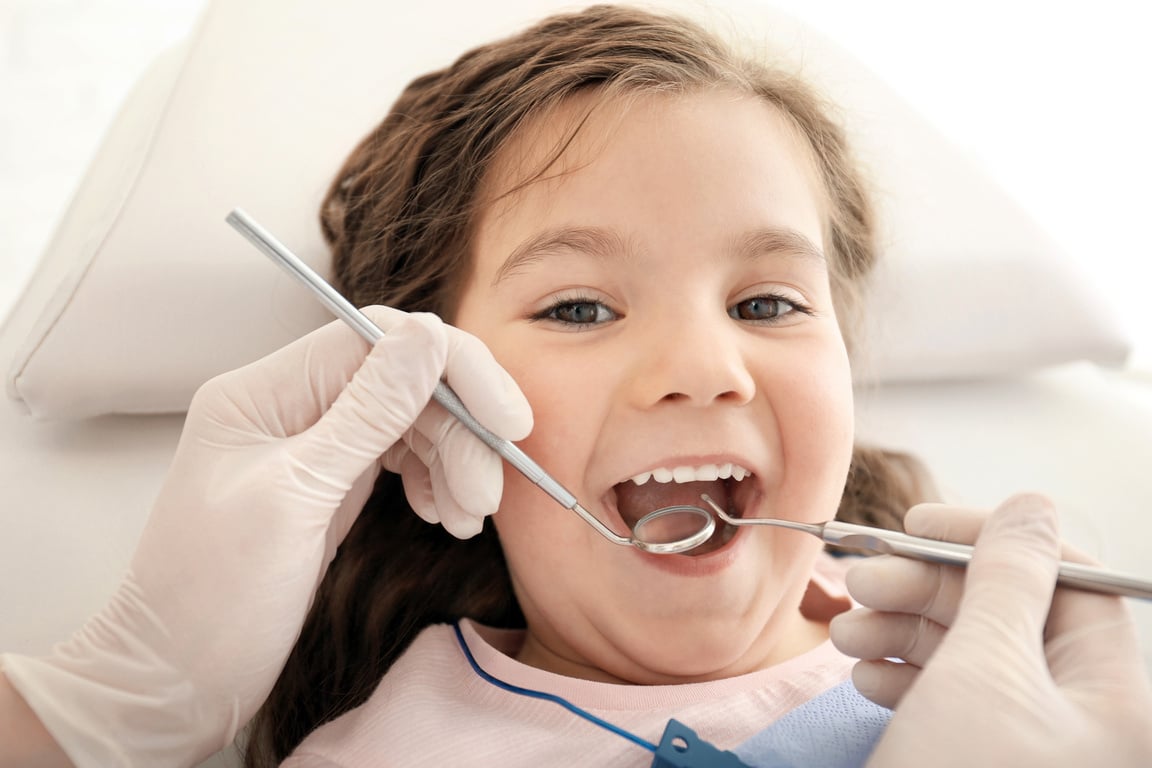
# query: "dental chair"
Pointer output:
{"type": "Point", "coordinates": [989, 355]}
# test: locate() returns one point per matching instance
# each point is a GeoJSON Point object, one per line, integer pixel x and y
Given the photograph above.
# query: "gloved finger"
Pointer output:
{"type": "Point", "coordinates": [901, 585]}
{"type": "Point", "coordinates": [385, 396]}
{"type": "Point", "coordinates": [486, 389]}
{"type": "Point", "coordinates": [868, 634]}
{"type": "Point", "coordinates": [945, 522]}
{"type": "Point", "coordinates": [465, 474]}
{"type": "Point", "coordinates": [1010, 580]}
{"type": "Point", "coordinates": [415, 478]}
{"type": "Point", "coordinates": [457, 520]}
{"type": "Point", "coordinates": [884, 682]}
{"type": "Point", "coordinates": [429, 491]}
{"type": "Point", "coordinates": [1090, 639]}
{"type": "Point", "coordinates": [1091, 643]}
{"type": "Point", "coordinates": [473, 473]}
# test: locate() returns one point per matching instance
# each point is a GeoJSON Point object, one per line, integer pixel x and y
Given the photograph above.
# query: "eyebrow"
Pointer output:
{"type": "Point", "coordinates": [778, 241]}
{"type": "Point", "coordinates": [593, 241]}
{"type": "Point", "coordinates": [605, 243]}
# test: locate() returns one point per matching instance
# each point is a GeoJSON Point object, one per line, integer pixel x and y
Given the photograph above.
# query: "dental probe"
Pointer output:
{"type": "Point", "coordinates": [883, 541]}
{"type": "Point", "coordinates": [444, 395]}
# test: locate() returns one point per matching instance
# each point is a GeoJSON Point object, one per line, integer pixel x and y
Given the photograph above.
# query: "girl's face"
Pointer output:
{"type": "Point", "coordinates": [662, 298]}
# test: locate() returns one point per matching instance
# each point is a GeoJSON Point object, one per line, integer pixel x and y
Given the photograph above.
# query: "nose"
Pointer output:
{"type": "Point", "coordinates": [695, 360]}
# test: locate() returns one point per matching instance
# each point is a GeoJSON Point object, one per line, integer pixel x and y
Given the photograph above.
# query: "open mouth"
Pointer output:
{"type": "Point", "coordinates": [729, 485]}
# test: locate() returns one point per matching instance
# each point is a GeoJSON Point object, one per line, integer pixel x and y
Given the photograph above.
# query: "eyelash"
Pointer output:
{"type": "Point", "coordinates": [551, 312]}
{"type": "Point", "coordinates": [795, 306]}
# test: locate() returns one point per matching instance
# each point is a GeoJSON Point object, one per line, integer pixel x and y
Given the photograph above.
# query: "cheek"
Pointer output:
{"type": "Point", "coordinates": [817, 430]}
{"type": "Point", "coordinates": [540, 539]}
{"type": "Point", "coordinates": [830, 403]}
{"type": "Point", "coordinates": [561, 441]}
{"type": "Point", "coordinates": [566, 410]}
{"type": "Point", "coordinates": [568, 413]}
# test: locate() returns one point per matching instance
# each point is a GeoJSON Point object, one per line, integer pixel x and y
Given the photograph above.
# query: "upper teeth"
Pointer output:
{"type": "Point", "coordinates": [693, 474]}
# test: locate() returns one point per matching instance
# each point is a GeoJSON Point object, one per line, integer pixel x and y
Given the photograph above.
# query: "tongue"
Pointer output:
{"type": "Point", "coordinates": [634, 501]}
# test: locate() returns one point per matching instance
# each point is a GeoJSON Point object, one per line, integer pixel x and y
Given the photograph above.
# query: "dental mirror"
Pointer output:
{"type": "Point", "coordinates": [669, 530]}
{"type": "Point", "coordinates": [665, 531]}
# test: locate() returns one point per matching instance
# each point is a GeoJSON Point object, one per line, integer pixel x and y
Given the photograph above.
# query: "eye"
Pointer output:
{"type": "Point", "coordinates": [765, 309]}
{"type": "Point", "coordinates": [577, 312]}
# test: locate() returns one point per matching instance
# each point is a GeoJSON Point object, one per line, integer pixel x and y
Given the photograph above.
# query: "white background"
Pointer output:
{"type": "Point", "coordinates": [1052, 98]}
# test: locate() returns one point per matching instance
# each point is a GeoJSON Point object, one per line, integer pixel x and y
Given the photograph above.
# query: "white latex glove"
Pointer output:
{"type": "Point", "coordinates": [1000, 671]}
{"type": "Point", "coordinates": [275, 462]}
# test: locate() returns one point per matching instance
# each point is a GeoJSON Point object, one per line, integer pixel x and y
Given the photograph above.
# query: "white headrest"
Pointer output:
{"type": "Point", "coordinates": [145, 292]}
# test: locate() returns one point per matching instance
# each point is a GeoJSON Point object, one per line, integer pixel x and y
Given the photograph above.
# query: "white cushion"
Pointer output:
{"type": "Point", "coordinates": [145, 293]}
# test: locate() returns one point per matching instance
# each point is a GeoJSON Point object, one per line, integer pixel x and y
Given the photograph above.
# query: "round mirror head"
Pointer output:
{"type": "Point", "coordinates": [671, 530]}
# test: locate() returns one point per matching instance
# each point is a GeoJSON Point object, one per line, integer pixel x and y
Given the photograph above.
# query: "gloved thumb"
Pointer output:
{"type": "Point", "coordinates": [1010, 581]}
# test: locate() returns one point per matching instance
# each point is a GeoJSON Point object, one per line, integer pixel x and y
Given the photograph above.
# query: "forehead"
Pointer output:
{"type": "Point", "coordinates": [596, 152]}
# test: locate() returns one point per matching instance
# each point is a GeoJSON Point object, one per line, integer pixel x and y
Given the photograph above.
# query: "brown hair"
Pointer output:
{"type": "Point", "coordinates": [398, 218]}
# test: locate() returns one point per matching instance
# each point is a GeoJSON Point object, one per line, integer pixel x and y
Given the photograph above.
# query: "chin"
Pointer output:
{"type": "Point", "coordinates": [693, 656]}
{"type": "Point", "coordinates": [693, 648]}
{"type": "Point", "coordinates": [706, 637]}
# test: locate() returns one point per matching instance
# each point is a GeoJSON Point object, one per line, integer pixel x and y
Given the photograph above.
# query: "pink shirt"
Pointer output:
{"type": "Point", "coordinates": [433, 709]}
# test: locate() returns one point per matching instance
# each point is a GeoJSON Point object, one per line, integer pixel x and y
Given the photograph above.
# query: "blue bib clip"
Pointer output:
{"type": "Point", "coordinates": [680, 747]}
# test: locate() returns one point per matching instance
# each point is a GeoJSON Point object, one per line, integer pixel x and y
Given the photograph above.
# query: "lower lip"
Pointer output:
{"type": "Point", "coordinates": [696, 565]}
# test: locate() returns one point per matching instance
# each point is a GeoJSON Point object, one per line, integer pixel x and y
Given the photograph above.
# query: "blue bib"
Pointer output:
{"type": "Point", "coordinates": [837, 729]}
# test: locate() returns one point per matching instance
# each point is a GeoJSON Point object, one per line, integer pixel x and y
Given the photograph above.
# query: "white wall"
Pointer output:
{"type": "Point", "coordinates": [1051, 97]}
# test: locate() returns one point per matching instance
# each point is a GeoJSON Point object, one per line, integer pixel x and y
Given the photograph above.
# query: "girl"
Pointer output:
{"type": "Point", "coordinates": [663, 244]}
{"type": "Point", "coordinates": [659, 242]}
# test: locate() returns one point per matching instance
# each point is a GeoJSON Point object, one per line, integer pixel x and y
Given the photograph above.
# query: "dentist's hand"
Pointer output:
{"type": "Point", "coordinates": [1000, 670]}
{"type": "Point", "coordinates": [275, 462]}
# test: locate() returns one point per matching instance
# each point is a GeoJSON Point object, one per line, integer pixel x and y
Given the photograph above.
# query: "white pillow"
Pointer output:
{"type": "Point", "coordinates": [145, 293]}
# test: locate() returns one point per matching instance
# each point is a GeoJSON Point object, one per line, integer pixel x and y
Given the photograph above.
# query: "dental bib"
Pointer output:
{"type": "Point", "coordinates": [837, 729]}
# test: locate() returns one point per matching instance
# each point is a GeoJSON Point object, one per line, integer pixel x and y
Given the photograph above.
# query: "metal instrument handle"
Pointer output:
{"type": "Point", "coordinates": [1087, 577]}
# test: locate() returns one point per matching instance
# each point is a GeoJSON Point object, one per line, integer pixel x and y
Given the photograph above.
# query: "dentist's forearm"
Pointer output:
{"type": "Point", "coordinates": [24, 741]}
